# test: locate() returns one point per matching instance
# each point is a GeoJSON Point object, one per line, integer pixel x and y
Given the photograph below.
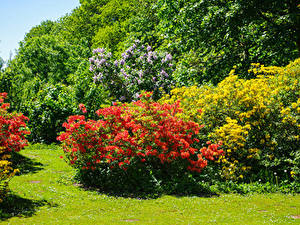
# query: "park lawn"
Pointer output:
{"type": "Point", "coordinates": [45, 194]}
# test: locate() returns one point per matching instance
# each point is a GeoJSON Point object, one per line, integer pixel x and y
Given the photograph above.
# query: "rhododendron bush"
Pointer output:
{"type": "Point", "coordinates": [142, 134]}
{"type": "Point", "coordinates": [12, 138]}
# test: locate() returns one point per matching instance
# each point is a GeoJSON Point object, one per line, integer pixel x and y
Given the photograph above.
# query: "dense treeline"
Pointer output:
{"type": "Point", "coordinates": [50, 74]}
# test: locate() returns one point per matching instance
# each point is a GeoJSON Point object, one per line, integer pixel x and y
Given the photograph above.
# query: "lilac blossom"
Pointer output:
{"type": "Point", "coordinates": [98, 50]}
{"type": "Point", "coordinates": [91, 60]}
{"type": "Point", "coordinates": [140, 73]}
{"type": "Point", "coordinates": [164, 73]}
{"type": "Point", "coordinates": [116, 63]}
{"type": "Point", "coordinates": [101, 61]}
{"type": "Point", "coordinates": [95, 78]}
{"type": "Point", "coordinates": [168, 57]}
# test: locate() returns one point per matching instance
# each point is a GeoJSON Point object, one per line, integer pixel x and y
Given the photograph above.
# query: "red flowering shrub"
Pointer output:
{"type": "Point", "coordinates": [142, 132]}
{"type": "Point", "coordinates": [12, 138]}
{"type": "Point", "coordinates": [12, 128]}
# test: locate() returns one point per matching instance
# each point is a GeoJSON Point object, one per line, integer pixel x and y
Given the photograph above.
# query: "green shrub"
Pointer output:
{"type": "Point", "coordinates": [48, 110]}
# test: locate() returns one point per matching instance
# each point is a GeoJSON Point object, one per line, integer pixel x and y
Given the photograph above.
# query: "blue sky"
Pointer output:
{"type": "Point", "coordinates": [17, 17]}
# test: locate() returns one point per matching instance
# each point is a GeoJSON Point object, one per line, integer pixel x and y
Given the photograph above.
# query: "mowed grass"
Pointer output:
{"type": "Point", "coordinates": [45, 194]}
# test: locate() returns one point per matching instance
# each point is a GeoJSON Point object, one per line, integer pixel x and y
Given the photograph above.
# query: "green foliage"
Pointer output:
{"type": "Point", "coordinates": [1, 64]}
{"type": "Point", "coordinates": [227, 33]}
{"type": "Point", "coordinates": [206, 38]}
{"type": "Point", "coordinates": [110, 36]}
{"type": "Point", "coordinates": [46, 27]}
{"type": "Point", "coordinates": [48, 110]}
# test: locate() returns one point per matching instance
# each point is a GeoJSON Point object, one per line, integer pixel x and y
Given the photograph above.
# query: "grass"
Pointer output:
{"type": "Point", "coordinates": [44, 193]}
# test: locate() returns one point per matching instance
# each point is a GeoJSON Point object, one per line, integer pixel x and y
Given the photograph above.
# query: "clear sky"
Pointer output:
{"type": "Point", "coordinates": [17, 17]}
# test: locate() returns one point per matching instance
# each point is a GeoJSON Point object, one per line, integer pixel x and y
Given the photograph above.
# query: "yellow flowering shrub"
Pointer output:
{"type": "Point", "coordinates": [6, 172]}
{"type": "Point", "coordinates": [257, 119]}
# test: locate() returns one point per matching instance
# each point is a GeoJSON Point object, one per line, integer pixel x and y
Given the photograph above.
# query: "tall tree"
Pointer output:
{"type": "Point", "coordinates": [224, 33]}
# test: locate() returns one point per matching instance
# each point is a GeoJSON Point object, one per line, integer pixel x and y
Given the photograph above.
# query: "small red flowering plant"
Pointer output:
{"type": "Point", "coordinates": [138, 133]}
{"type": "Point", "coordinates": [12, 128]}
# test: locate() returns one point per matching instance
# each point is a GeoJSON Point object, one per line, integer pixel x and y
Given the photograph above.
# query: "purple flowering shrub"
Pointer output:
{"type": "Point", "coordinates": [139, 69]}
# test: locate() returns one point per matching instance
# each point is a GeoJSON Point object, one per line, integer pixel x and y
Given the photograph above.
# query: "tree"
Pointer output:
{"type": "Point", "coordinates": [224, 33]}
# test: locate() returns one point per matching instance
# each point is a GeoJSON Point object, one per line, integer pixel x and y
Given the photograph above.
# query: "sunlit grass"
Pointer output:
{"type": "Point", "coordinates": [45, 194]}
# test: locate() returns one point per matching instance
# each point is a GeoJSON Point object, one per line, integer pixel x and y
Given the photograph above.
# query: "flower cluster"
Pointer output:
{"type": "Point", "coordinates": [257, 119]}
{"type": "Point", "coordinates": [12, 138]}
{"type": "Point", "coordinates": [143, 132]}
{"type": "Point", "coordinates": [140, 68]}
{"type": "Point", "coordinates": [12, 128]}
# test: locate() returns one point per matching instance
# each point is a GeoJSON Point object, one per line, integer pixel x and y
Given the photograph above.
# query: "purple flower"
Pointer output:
{"type": "Point", "coordinates": [149, 60]}
{"type": "Point", "coordinates": [91, 60]}
{"type": "Point", "coordinates": [95, 78]}
{"type": "Point", "coordinates": [164, 73]}
{"type": "Point", "coordinates": [124, 55]}
{"type": "Point", "coordinates": [99, 50]}
{"type": "Point", "coordinates": [101, 61]}
{"type": "Point", "coordinates": [140, 73]}
{"type": "Point", "coordinates": [116, 63]}
{"type": "Point", "coordinates": [148, 48]}
{"type": "Point", "coordinates": [154, 78]}
{"type": "Point", "coordinates": [168, 57]}
{"type": "Point", "coordinates": [139, 81]}
{"type": "Point", "coordinates": [122, 62]}
{"type": "Point", "coordinates": [170, 65]}
{"type": "Point", "coordinates": [122, 98]}
{"type": "Point", "coordinates": [129, 51]}
{"type": "Point", "coordinates": [91, 68]}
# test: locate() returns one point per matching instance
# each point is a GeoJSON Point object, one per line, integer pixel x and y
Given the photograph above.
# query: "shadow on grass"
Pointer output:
{"type": "Point", "coordinates": [15, 206]}
{"type": "Point", "coordinates": [149, 195]}
{"type": "Point", "coordinates": [25, 164]}
{"type": "Point", "coordinates": [121, 184]}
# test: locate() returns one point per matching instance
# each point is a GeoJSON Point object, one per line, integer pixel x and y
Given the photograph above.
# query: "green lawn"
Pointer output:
{"type": "Point", "coordinates": [45, 194]}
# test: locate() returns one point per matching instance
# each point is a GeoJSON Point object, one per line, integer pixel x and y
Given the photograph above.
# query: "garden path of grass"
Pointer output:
{"type": "Point", "coordinates": [45, 194]}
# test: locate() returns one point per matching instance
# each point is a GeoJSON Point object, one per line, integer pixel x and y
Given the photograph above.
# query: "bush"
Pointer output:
{"type": "Point", "coordinates": [139, 69]}
{"type": "Point", "coordinates": [257, 120]}
{"type": "Point", "coordinates": [48, 110]}
{"type": "Point", "coordinates": [141, 138]}
{"type": "Point", "coordinates": [12, 138]}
